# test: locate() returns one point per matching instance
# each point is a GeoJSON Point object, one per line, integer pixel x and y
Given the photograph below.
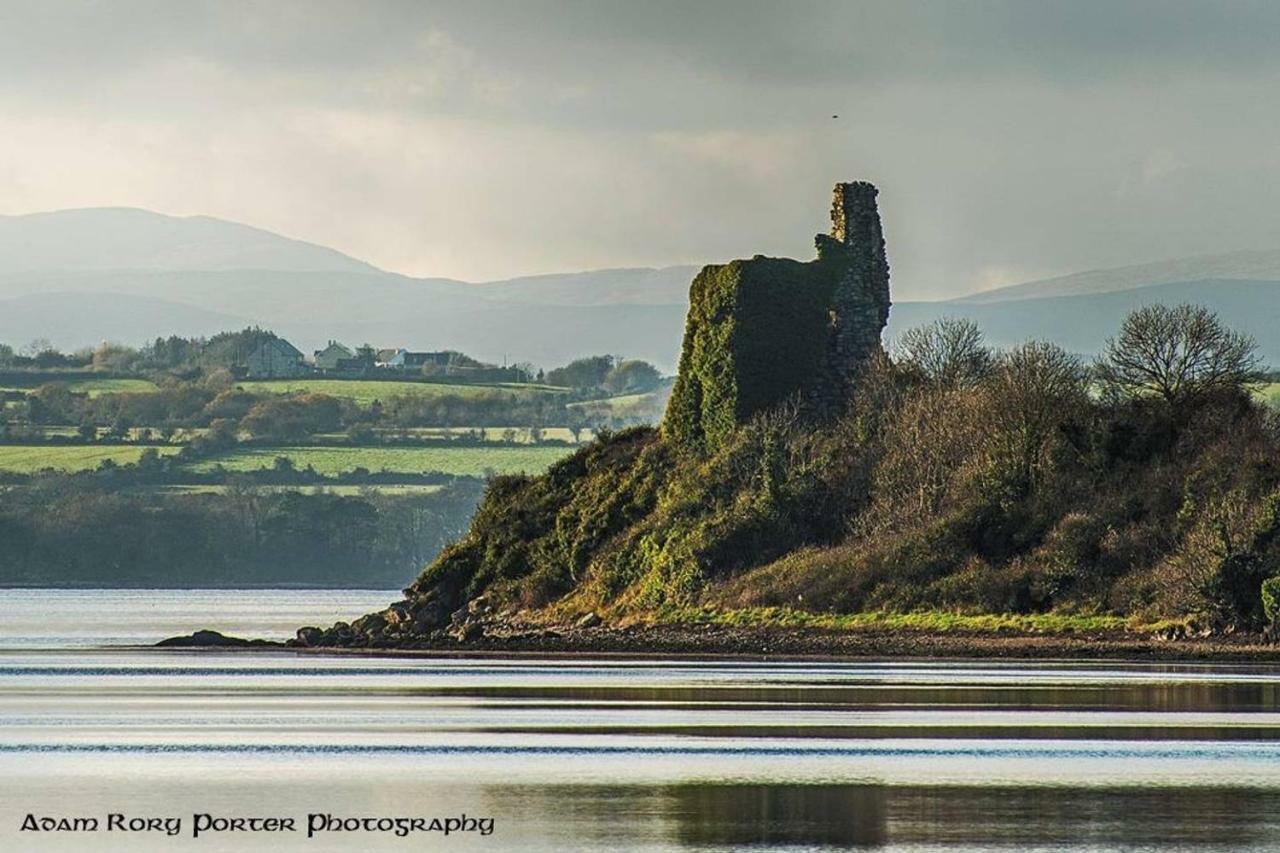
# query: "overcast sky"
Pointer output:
{"type": "Point", "coordinates": [482, 140]}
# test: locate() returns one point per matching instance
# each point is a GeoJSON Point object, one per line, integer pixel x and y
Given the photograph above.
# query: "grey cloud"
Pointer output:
{"type": "Point", "coordinates": [1011, 138]}
{"type": "Point", "coordinates": [800, 40]}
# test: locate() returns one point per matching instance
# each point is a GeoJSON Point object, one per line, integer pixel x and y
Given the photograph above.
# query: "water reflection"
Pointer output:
{"type": "Point", "coordinates": [811, 815]}
{"type": "Point", "coordinates": [842, 816]}
{"type": "Point", "coordinates": [635, 754]}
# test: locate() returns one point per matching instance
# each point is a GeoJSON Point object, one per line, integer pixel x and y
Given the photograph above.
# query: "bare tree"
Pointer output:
{"type": "Point", "coordinates": [949, 352]}
{"type": "Point", "coordinates": [1035, 388]}
{"type": "Point", "coordinates": [1178, 353]}
{"type": "Point", "coordinates": [930, 443]}
{"type": "Point", "coordinates": [37, 346]}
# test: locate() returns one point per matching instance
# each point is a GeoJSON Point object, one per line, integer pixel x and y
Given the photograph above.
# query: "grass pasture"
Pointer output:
{"type": "Point", "coordinates": [30, 458]}
{"type": "Point", "coordinates": [329, 461]}
{"type": "Point", "coordinates": [622, 401]}
{"type": "Point", "coordinates": [548, 434]}
{"type": "Point", "coordinates": [343, 490]}
{"type": "Point", "coordinates": [364, 392]}
{"type": "Point", "coordinates": [494, 434]}
{"type": "Point", "coordinates": [180, 436]}
{"type": "Point", "coordinates": [931, 621]}
{"type": "Point", "coordinates": [1269, 394]}
{"type": "Point", "coordinates": [640, 408]}
{"type": "Point", "coordinates": [94, 387]}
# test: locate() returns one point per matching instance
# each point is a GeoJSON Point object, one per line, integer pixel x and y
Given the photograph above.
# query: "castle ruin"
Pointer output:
{"type": "Point", "coordinates": [765, 330]}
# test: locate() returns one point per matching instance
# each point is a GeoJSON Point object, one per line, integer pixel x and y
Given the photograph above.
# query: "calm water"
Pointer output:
{"type": "Point", "coordinates": [612, 754]}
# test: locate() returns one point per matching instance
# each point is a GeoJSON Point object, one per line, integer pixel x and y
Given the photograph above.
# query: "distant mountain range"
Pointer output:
{"type": "Point", "coordinates": [125, 238]}
{"type": "Point", "coordinates": [78, 277]}
{"type": "Point", "coordinates": [1227, 266]}
{"type": "Point", "coordinates": [1082, 323]}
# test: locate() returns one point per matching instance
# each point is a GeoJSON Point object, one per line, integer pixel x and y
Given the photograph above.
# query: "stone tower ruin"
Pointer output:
{"type": "Point", "coordinates": [765, 330]}
{"type": "Point", "coordinates": [860, 293]}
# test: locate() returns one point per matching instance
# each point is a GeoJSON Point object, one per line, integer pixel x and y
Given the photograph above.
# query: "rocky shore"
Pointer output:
{"type": "Point", "coordinates": [407, 627]}
{"type": "Point", "coordinates": [213, 639]}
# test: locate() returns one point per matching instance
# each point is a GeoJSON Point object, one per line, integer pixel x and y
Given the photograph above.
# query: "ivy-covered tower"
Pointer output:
{"type": "Point", "coordinates": [765, 330]}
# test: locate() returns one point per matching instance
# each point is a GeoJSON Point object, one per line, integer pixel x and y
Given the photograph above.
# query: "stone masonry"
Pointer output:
{"type": "Point", "coordinates": [860, 297]}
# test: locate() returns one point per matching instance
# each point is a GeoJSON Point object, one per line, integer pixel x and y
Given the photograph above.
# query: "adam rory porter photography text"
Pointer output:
{"type": "Point", "coordinates": [202, 825]}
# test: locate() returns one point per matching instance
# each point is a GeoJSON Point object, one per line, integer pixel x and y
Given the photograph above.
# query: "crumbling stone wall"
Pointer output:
{"type": "Point", "coordinates": [860, 296]}
{"type": "Point", "coordinates": [763, 330]}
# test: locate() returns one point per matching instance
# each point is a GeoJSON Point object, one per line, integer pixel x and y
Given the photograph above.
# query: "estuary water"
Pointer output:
{"type": "Point", "coordinates": [549, 754]}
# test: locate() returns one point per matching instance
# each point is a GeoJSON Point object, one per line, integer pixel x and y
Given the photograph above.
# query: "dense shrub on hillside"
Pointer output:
{"type": "Point", "coordinates": [604, 373]}
{"type": "Point", "coordinates": [178, 404]}
{"type": "Point", "coordinates": [483, 409]}
{"type": "Point", "coordinates": [286, 419]}
{"type": "Point", "coordinates": [197, 404]}
{"type": "Point", "coordinates": [999, 484]}
{"type": "Point", "coordinates": [589, 372]}
{"type": "Point", "coordinates": [532, 538]}
{"type": "Point", "coordinates": [632, 377]}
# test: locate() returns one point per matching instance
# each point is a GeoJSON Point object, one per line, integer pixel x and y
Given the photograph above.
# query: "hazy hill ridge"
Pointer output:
{"type": "Point", "coordinates": [626, 286]}
{"type": "Point", "coordinates": [125, 238]}
{"type": "Point", "coordinates": [1255, 265]}
{"type": "Point", "coordinates": [80, 276]}
{"type": "Point", "coordinates": [1082, 323]}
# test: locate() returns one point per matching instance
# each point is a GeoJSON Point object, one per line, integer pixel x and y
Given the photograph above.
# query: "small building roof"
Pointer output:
{"type": "Point", "coordinates": [335, 348]}
{"type": "Point", "coordinates": [280, 345]}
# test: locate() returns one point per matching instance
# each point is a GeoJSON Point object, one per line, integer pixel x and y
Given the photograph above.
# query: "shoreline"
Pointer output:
{"type": "Point", "coordinates": [758, 643]}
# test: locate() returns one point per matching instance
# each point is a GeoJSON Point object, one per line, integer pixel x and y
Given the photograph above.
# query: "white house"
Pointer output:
{"type": "Point", "coordinates": [328, 358]}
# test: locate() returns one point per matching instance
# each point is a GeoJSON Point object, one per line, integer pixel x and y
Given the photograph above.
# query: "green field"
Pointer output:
{"type": "Point", "coordinates": [460, 461]}
{"type": "Point", "coordinates": [647, 407]}
{"type": "Point", "coordinates": [522, 434]}
{"type": "Point", "coordinates": [29, 458]}
{"type": "Point", "coordinates": [344, 490]}
{"type": "Point", "coordinates": [933, 621]}
{"type": "Point", "coordinates": [621, 401]}
{"type": "Point", "coordinates": [495, 434]}
{"type": "Point", "coordinates": [365, 392]}
{"type": "Point", "coordinates": [180, 436]}
{"type": "Point", "coordinates": [1269, 394]}
{"type": "Point", "coordinates": [94, 387]}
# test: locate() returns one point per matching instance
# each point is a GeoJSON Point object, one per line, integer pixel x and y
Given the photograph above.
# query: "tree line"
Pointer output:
{"type": "Point", "coordinates": [225, 354]}
{"type": "Point", "coordinates": [278, 418]}
{"type": "Point", "coordinates": [86, 531]}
